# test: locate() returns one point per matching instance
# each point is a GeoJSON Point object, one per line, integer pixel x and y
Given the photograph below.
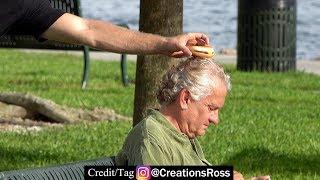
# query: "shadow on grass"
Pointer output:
{"type": "Point", "coordinates": [14, 158]}
{"type": "Point", "coordinates": [263, 160]}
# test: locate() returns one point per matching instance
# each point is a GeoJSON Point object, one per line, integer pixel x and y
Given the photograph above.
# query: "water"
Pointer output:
{"type": "Point", "coordinates": [216, 18]}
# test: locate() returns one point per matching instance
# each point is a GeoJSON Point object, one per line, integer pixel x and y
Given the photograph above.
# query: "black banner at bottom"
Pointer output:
{"type": "Point", "coordinates": [158, 172]}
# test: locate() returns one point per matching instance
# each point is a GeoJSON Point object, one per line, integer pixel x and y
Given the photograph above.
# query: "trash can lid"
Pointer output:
{"type": "Point", "coordinates": [266, 4]}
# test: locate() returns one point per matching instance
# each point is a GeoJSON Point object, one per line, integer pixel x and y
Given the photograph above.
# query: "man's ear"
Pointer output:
{"type": "Point", "coordinates": [184, 99]}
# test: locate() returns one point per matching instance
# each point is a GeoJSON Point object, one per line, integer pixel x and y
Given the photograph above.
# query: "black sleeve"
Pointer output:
{"type": "Point", "coordinates": [10, 12]}
{"type": "Point", "coordinates": [37, 17]}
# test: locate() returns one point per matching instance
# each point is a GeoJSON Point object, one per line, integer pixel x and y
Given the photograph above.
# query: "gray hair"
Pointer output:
{"type": "Point", "coordinates": [196, 75]}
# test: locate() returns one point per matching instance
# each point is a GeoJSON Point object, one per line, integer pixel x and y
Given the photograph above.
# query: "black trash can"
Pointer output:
{"type": "Point", "coordinates": [266, 35]}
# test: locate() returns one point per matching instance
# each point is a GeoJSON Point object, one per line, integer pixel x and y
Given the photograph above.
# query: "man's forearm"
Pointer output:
{"type": "Point", "coordinates": [106, 36]}
{"type": "Point", "coordinates": [103, 35]}
{"type": "Point", "coordinates": [113, 38]}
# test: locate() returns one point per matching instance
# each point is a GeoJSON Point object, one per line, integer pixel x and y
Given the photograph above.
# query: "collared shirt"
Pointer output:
{"type": "Point", "coordinates": [155, 141]}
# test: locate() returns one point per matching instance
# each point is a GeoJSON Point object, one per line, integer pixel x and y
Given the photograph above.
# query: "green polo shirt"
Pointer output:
{"type": "Point", "coordinates": [155, 141]}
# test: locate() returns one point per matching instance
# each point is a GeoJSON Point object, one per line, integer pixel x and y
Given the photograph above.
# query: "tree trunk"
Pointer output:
{"type": "Point", "coordinates": [163, 17]}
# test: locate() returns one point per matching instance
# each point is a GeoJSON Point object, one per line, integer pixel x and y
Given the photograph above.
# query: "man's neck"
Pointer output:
{"type": "Point", "coordinates": [171, 115]}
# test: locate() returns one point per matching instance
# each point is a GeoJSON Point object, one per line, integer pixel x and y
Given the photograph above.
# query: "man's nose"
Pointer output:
{"type": "Point", "coordinates": [214, 118]}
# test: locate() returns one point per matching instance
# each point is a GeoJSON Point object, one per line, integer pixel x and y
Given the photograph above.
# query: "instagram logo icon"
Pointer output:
{"type": "Point", "coordinates": [143, 173]}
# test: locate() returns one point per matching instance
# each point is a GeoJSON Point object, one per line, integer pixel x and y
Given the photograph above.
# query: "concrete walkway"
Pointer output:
{"type": "Point", "coordinates": [309, 66]}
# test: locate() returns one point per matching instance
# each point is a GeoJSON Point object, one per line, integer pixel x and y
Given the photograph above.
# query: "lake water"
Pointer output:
{"type": "Point", "coordinates": [216, 18]}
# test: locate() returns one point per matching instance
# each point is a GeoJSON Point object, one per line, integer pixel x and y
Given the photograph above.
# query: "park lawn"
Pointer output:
{"type": "Point", "coordinates": [270, 123]}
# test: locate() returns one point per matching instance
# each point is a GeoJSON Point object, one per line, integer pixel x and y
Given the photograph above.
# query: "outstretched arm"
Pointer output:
{"type": "Point", "coordinates": [106, 36]}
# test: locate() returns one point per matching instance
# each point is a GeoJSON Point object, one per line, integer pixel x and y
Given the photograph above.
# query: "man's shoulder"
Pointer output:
{"type": "Point", "coordinates": [141, 135]}
{"type": "Point", "coordinates": [149, 126]}
{"type": "Point", "coordinates": [149, 131]}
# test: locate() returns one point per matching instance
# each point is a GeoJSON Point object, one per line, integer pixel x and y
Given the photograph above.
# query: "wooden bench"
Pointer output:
{"type": "Point", "coordinates": [29, 42]}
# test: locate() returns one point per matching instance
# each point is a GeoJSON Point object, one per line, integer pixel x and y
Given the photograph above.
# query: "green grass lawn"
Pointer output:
{"type": "Point", "coordinates": [270, 123]}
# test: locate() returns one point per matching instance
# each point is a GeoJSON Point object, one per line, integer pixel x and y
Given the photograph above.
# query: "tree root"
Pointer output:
{"type": "Point", "coordinates": [47, 111]}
